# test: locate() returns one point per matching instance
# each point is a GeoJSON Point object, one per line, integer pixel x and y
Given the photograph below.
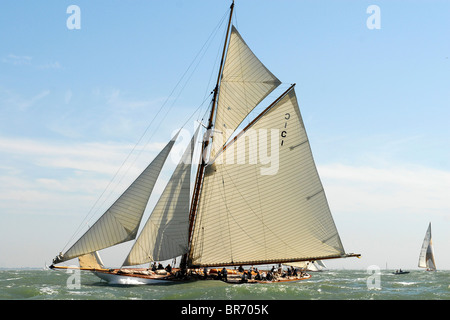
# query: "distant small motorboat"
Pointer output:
{"type": "Point", "coordinates": [400, 272]}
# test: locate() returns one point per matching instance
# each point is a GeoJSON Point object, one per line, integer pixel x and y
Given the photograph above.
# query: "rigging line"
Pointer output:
{"type": "Point", "coordinates": [186, 82]}
{"type": "Point", "coordinates": [235, 19]}
{"type": "Point", "coordinates": [228, 220]}
{"type": "Point", "coordinates": [190, 117]}
{"type": "Point", "coordinates": [206, 44]}
{"type": "Point", "coordinates": [198, 109]}
{"type": "Point", "coordinates": [205, 112]}
{"type": "Point", "coordinates": [218, 52]}
{"type": "Point", "coordinates": [91, 211]}
{"type": "Point", "coordinates": [198, 63]}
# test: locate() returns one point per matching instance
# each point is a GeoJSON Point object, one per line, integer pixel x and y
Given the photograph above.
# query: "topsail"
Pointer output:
{"type": "Point", "coordinates": [244, 84]}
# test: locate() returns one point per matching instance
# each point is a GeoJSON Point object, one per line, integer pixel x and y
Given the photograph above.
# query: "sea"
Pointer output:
{"type": "Point", "coordinates": [194, 298]}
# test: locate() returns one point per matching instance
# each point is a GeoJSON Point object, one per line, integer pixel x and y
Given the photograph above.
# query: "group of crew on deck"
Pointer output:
{"type": "Point", "coordinates": [254, 274]}
{"type": "Point", "coordinates": [239, 274]}
{"type": "Point", "coordinates": [155, 267]}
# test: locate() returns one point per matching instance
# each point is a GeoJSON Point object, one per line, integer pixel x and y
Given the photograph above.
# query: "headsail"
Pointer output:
{"type": "Point", "coordinates": [91, 260]}
{"type": "Point", "coordinates": [264, 212]}
{"type": "Point", "coordinates": [314, 266]}
{"type": "Point", "coordinates": [165, 234]}
{"type": "Point", "coordinates": [244, 84]}
{"type": "Point", "coordinates": [121, 221]}
{"type": "Point", "coordinates": [426, 257]}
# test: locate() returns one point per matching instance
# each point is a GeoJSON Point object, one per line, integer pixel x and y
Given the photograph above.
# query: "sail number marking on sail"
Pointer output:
{"type": "Point", "coordinates": [284, 132]}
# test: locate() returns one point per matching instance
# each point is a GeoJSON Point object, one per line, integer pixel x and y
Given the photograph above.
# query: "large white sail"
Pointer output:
{"type": "Point", "coordinates": [426, 257]}
{"type": "Point", "coordinates": [244, 84]}
{"type": "Point", "coordinates": [165, 234]}
{"type": "Point", "coordinates": [262, 212]}
{"type": "Point", "coordinates": [121, 221]}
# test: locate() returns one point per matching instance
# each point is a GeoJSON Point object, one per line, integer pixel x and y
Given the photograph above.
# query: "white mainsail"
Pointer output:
{"type": "Point", "coordinates": [121, 221]}
{"type": "Point", "coordinates": [426, 257]}
{"type": "Point", "coordinates": [250, 214]}
{"type": "Point", "coordinates": [244, 84]}
{"type": "Point", "coordinates": [165, 234]}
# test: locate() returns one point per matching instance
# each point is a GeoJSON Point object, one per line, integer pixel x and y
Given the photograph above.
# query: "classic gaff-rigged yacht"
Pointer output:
{"type": "Point", "coordinates": [236, 214]}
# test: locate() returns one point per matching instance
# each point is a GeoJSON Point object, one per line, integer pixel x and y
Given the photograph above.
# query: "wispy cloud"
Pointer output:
{"type": "Point", "coordinates": [12, 100]}
{"type": "Point", "coordinates": [124, 111]}
{"type": "Point", "coordinates": [77, 156]}
{"type": "Point", "coordinates": [116, 98]}
{"type": "Point", "coordinates": [68, 96]}
{"type": "Point", "coordinates": [24, 60]}
{"type": "Point", "coordinates": [39, 177]}
{"type": "Point", "coordinates": [17, 60]}
{"type": "Point", "coordinates": [404, 189]}
{"type": "Point", "coordinates": [49, 65]}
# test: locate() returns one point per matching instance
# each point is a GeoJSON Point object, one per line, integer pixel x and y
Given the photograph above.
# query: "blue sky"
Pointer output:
{"type": "Point", "coordinates": [375, 102]}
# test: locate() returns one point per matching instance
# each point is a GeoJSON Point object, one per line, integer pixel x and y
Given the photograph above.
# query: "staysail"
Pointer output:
{"type": "Point", "coordinates": [426, 257]}
{"type": "Point", "coordinates": [165, 234]}
{"type": "Point", "coordinates": [245, 82]}
{"type": "Point", "coordinates": [264, 211]}
{"type": "Point", "coordinates": [91, 260]}
{"type": "Point", "coordinates": [314, 266]}
{"type": "Point", "coordinates": [121, 221]}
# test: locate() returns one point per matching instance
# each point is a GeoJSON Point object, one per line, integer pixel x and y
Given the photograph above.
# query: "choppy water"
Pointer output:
{"type": "Point", "coordinates": [27, 284]}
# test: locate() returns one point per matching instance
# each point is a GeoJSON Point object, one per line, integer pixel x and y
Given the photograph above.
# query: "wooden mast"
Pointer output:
{"type": "Point", "coordinates": [206, 138]}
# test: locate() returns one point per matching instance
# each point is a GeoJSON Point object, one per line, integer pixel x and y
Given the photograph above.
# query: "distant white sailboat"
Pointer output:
{"type": "Point", "coordinates": [426, 257]}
